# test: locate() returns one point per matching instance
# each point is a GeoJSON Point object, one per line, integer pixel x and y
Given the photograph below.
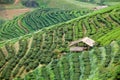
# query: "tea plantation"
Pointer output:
{"type": "Point", "coordinates": [35, 45]}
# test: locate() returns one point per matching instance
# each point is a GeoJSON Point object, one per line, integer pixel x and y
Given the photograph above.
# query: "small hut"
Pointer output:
{"type": "Point", "coordinates": [86, 40]}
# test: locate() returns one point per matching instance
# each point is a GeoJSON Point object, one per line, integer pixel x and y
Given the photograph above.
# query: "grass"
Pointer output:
{"type": "Point", "coordinates": [110, 36]}
{"type": "Point", "coordinates": [70, 4]}
{"type": "Point", "coordinates": [111, 3]}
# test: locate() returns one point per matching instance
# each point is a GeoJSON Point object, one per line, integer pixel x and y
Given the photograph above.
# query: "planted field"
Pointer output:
{"type": "Point", "coordinates": [36, 20]}
{"type": "Point", "coordinates": [104, 39]}
{"type": "Point", "coordinates": [95, 64]}
{"type": "Point", "coordinates": [24, 54]}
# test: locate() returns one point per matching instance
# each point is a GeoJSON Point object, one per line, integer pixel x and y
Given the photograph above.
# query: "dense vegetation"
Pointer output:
{"type": "Point", "coordinates": [6, 1]}
{"type": "Point", "coordinates": [30, 3]}
{"type": "Point", "coordinates": [1, 22]}
{"type": "Point", "coordinates": [110, 36]}
{"type": "Point", "coordinates": [23, 54]}
{"type": "Point", "coordinates": [61, 4]}
{"type": "Point", "coordinates": [36, 20]}
{"type": "Point", "coordinates": [95, 64]}
{"type": "Point", "coordinates": [35, 3]}
{"type": "Point", "coordinates": [101, 2]}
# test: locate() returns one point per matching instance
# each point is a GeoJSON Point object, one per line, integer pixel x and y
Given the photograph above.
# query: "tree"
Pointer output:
{"type": "Point", "coordinates": [92, 1]}
{"type": "Point", "coordinates": [30, 3]}
{"type": "Point", "coordinates": [6, 1]}
{"type": "Point", "coordinates": [102, 2]}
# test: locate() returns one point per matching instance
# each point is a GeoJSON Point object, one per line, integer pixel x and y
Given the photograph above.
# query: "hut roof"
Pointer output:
{"type": "Point", "coordinates": [85, 40]}
{"type": "Point", "coordinates": [100, 7]}
{"type": "Point", "coordinates": [77, 48]}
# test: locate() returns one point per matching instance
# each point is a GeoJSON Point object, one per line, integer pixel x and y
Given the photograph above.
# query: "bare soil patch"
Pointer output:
{"type": "Point", "coordinates": [10, 14]}
{"type": "Point", "coordinates": [16, 1]}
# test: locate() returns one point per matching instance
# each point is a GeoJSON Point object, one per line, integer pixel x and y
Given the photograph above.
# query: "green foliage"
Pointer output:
{"type": "Point", "coordinates": [1, 22]}
{"type": "Point", "coordinates": [6, 1]}
{"type": "Point", "coordinates": [49, 47]}
{"type": "Point", "coordinates": [37, 20]}
{"type": "Point", "coordinates": [75, 66]}
{"type": "Point", "coordinates": [30, 3]}
{"type": "Point", "coordinates": [35, 3]}
{"type": "Point", "coordinates": [99, 1]}
{"type": "Point", "coordinates": [43, 3]}
{"type": "Point", "coordinates": [112, 35]}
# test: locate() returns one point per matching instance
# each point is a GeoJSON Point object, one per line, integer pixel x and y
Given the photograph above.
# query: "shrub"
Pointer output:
{"type": "Point", "coordinates": [30, 3]}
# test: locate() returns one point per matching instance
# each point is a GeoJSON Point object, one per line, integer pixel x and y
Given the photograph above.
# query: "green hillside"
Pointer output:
{"type": "Point", "coordinates": [101, 2]}
{"type": "Point", "coordinates": [1, 22]}
{"type": "Point", "coordinates": [36, 20]}
{"type": "Point", "coordinates": [61, 4]}
{"type": "Point", "coordinates": [6, 1]}
{"type": "Point", "coordinates": [70, 4]}
{"type": "Point", "coordinates": [110, 36]}
{"type": "Point", "coordinates": [98, 1]}
{"type": "Point", "coordinates": [21, 55]}
{"type": "Point", "coordinates": [33, 4]}
{"type": "Point", "coordinates": [100, 63]}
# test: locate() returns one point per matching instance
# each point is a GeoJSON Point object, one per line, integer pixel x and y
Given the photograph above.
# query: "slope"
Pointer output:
{"type": "Point", "coordinates": [100, 63]}
{"type": "Point", "coordinates": [36, 20]}
{"type": "Point", "coordinates": [70, 4]}
{"type": "Point", "coordinates": [104, 39]}
{"type": "Point", "coordinates": [41, 47]}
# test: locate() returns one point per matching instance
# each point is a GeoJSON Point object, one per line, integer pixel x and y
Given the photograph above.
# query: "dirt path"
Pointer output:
{"type": "Point", "coordinates": [84, 30]}
{"type": "Point", "coordinates": [16, 47]}
{"type": "Point", "coordinates": [22, 27]}
{"type": "Point", "coordinates": [4, 50]}
{"type": "Point", "coordinates": [10, 14]}
{"type": "Point", "coordinates": [16, 2]}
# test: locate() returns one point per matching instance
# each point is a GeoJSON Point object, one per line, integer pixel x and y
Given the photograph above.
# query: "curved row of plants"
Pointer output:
{"type": "Point", "coordinates": [36, 20]}
{"type": "Point", "coordinates": [100, 63]}
{"type": "Point", "coordinates": [22, 55]}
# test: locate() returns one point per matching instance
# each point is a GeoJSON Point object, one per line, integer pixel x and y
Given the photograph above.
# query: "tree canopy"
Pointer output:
{"type": "Point", "coordinates": [6, 1]}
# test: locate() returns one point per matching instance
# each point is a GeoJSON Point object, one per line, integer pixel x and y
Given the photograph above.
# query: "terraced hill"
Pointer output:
{"type": "Point", "coordinates": [63, 4]}
{"type": "Point", "coordinates": [22, 55]}
{"type": "Point", "coordinates": [36, 20]}
{"type": "Point", "coordinates": [110, 36]}
{"type": "Point", "coordinates": [100, 63]}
